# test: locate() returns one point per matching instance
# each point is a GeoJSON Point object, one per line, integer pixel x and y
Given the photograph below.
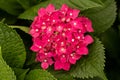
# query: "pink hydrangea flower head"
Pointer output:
{"type": "Point", "coordinates": [60, 36]}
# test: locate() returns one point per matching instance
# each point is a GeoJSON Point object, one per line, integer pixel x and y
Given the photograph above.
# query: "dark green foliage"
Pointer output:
{"type": "Point", "coordinates": [13, 49]}
{"type": "Point", "coordinates": [6, 72]}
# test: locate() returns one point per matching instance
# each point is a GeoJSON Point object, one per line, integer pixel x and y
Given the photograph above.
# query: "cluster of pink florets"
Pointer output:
{"type": "Point", "coordinates": [59, 36]}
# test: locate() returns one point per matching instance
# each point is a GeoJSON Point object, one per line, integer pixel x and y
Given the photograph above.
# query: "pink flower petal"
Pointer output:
{"type": "Point", "coordinates": [59, 27]}
{"type": "Point", "coordinates": [34, 22]}
{"type": "Point", "coordinates": [34, 48]}
{"type": "Point", "coordinates": [76, 24]}
{"type": "Point", "coordinates": [44, 65]}
{"type": "Point", "coordinates": [87, 24]}
{"type": "Point", "coordinates": [75, 13]}
{"type": "Point", "coordinates": [34, 33]}
{"type": "Point", "coordinates": [58, 65]}
{"type": "Point", "coordinates": [64, 7]}
{"type": "Point", "coordinates": [63, 59]}
{"type": "Point", "coordinates": [50, 8]}
{"type": "Point", "coordinates": [41, 12]}
{"type": "Point", "coordinates": [72, 60]}
{"type": "Point", "coordinates": [50, 61]}
{"type": "Point", "coordinates": [82, 51]}
{"type": "Point", "coordinates": [72, 13]}
{"type": "Point", "coordinates": [41, 57]}
{"type": "Point", "coordinates": [66, 66]}
{"type": "Point", "coordinates": [49, 54]}
{"type": "Point", "coordinates": [88, 39]}
{"type": "Point", "coordinates": [77, 56]}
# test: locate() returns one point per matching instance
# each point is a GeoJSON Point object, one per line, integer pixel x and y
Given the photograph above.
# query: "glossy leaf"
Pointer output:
{"type": "Point", "coordinates": [20, 73]}
{"type": "Point", "coordinates": [11, 6]}
{"type": "Point", "coordinates": [6, 72]}
{"type": "Point", "coordinates": [91, 65]}
{"type": "Point", "coordinates": [102, 18]}
{"type": "Point", "coordinates": [12, 46]}
{"type": "Point", "coordinates": [78, 4]}
{"type": "Point", "coordinates": [38, 74]}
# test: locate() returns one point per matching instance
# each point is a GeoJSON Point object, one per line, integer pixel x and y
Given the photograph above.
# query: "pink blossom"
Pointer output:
{"type": "Point", "coordinates": [64, 8]}
{"type": "Point", "coordinates": [62, 63]}
{"type": "Point", "coordinates": [72, 13]}
{"type": "Point", "coordinates": [88, 39]}
{"type": "Point", "coordinates": [60, 36]}
{"type": "Point", "coordinates": [50, 8]}
{"type": "Point", "coordinates": [41, 12]}
{"type": "Point", "coordinates": [74, 57]}
{"type": "Point", "coordinates": [86, 23]}
{"type": "Point", "coordinates": [66, 66]}
{"type": "Point", "coordinates": [45, 59]}
{"type": "Point", "coordinates": [58, 65]}
{"type": "Point", "coordinates": [82, 51]}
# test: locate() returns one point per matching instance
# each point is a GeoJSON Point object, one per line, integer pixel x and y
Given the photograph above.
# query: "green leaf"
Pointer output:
{"type": "Point", "coordinates": [9, 19]}
{"type": "Point", "coordinates": [102, 18]}
{"type": "Point", "coordinates": [6, 72]}
{"type": "Point", "coordinates": [31, 58]}
{"type": "Point", "coordinates": [111, 41]}
{"type": "Point", "coordinates": [78, 4]}
{"type": "Point", "coordinates": [91, 65]}
{"type": "Point", "coordinates": [95, 78]}
{"type": "Point", "coordinates": [11, 6]}
{"type": "Point", "coordinates": [39, 74]}
{"type": "Point", "coordinates": [61, 75]}
{"type": "Point", "coordinates": [119, 29]}
{"type": "Point", "coordinates": [119, 14]}
{"type": "Point", "coordinates": [20, 73]}
{"type": "Point", "coordinates": [12, 46]}
{"type": "Point", "coordinates": [32, 12]}
{"type": "Point", "coordinates": [23, 28]}
{"type": "Point", "coordinates": [25, 3]}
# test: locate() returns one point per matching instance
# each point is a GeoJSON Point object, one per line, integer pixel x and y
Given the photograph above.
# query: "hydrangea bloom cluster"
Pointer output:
{"type": "Point", "coordinates": [60, 36]}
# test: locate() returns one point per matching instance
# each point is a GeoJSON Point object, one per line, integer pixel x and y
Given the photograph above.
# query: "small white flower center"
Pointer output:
{"type": "Point", "coordinates": [63, 12]}
{"type": "Point", "coordinates": [48, 19]}
{"type": "Point", "coordinates": [78, 37]}
{"type": "Point", "coordinates": [83, 37]}
{"type": "Point", "coordinates": [69, 29]}
{"type": "Point", "coordinates": [73, 40]}
{"type": "Point", "coordinates": [71, 14]}
{"type": "Point", "coordinates": [85, 25]}
{"type": "Point", "coordinates": [63, 19]}
{"type": "Point", "coordinates": [53, 20]}
{"type": "Point", "coordinates": [78, 46]}
{"type": "Point", "coordinates": [63, 34]}
{"type": "Point", "coordinates": [63, 56]}
{"type": "Point", "coordinates": [43, 27]}
{"type": "Point", "coordinates": [72, 54]}
{"type": "Point", "coordinates": [46, 53]}
{"type": "Point", "coordinates": [49, 29]}
{"type": "Point", "coordinates": [68, 20]}
{"type": "Point", "coordinates": [63, 50]}
{"type": "Point", "coordinates": [40, 47]}
{"type": "Point", "coordinates": [36, 30]}
{"type": "Point", "coordinates": [62, 43]}
{"type": "Point", "coordinates": [45, 60]}
{"type": "Point", "coordinates": [74, 23]}
{"type": "Point", "coordinates": [43, 23]}
{"type": "Point", "coordinates": [79, 31]}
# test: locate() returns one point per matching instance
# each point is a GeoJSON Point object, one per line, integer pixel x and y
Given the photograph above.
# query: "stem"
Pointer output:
{"type": "Point", "coordinates": [23, 28]}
